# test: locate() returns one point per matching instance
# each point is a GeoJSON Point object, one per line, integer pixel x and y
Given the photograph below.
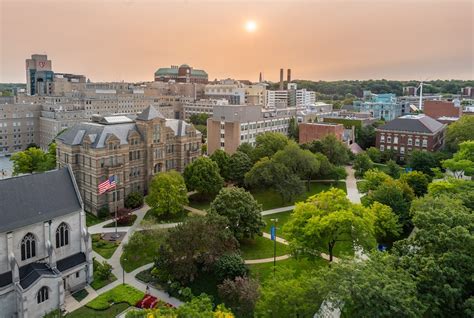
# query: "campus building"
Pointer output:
{"type": "Point", "coordinates": [45, 249]}
{"type": "Point", "coordinates": [133, 149]}
{"type": "Point", "coordinates": [181, 74]}
{"type": "Point", "coordinates": [381, 106]}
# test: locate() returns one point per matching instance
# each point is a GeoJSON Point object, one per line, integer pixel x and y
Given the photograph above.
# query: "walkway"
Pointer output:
{"type": "Point", "coordinates": [351, 185]}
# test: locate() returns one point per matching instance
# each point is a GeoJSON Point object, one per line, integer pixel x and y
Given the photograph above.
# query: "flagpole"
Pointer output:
{"type": "Point", "coordinates": [116, 188]}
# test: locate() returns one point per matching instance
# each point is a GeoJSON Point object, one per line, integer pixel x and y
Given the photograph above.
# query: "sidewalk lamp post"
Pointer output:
{"type": "Point", "coordinates": [273, 237]}
{"type": "Point", "coordinates": [123, 273]}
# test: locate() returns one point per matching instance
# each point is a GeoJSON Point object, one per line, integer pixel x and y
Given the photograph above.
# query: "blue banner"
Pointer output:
{"type": "Point", "coordinates": [272, 232]}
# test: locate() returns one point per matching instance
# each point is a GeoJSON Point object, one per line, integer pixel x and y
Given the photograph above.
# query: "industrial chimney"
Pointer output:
{"type": "Point", "coordinates": [288, 78]}
{"type": "Point", "coordinates": [281, 79]}
{"type": "Point", "coordinates": [260, 78]}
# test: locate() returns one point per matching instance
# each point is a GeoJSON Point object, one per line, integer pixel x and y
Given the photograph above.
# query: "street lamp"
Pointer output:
{"type": "Point", "coordinates": [123, 273]}
{"type": "Point", "coordinates": [273, 237]}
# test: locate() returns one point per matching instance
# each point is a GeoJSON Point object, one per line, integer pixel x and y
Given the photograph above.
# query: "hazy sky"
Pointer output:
{"type": "Point", "coordinates": [109, 40]}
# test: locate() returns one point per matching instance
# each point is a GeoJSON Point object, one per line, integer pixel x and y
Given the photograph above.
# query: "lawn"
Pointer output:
{"type": "Point", "coordinates": [130, 222]}
{"type": "Point", "coordinates": [98, 282]}
{"type": "Point", "coordinates": [141, 248]}
{"type": "Point", "coordinates": [264, 271]}
{"type": "Point", "coordinates": [104, 248]}
{"type": "Point", "coordinates": [282, 217]}
{"type": "Point", "coordinates": [85, 312]}
{"type": "Point", "coordinates": [261, 247]}
{"type": "Point", "coordinates": [80, 294]}
{"type": "Point", "coordinates": [197, 203]}
{"type": "Point", "coordinates": [151, 217]}
{"type": "Point", "coordinates": [91, 219]}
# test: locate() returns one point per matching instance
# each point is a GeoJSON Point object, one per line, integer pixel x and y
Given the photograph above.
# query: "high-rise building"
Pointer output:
{"type": "Point", "coordinates": [39, 75]}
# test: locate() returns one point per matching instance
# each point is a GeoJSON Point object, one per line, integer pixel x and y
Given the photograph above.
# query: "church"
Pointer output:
{"type": "Point", "coordinates": [45, 248]}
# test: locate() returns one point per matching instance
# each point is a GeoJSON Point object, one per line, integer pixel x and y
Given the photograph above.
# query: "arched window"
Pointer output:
{"type": "Point", "coordinates": [28, 247]}
{"type": "Point", "coordinates": [62, 235]}
{"type": "Point", "coordinates": [42, 295]}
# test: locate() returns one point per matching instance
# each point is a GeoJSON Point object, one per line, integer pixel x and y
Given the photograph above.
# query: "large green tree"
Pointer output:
{"type": "Point", "coordinates": [422, 161]}
{"type": "Point", "coordinates": [240, 294]}
{"type": "Point", "coordinates": [372, 180]}
{"type": "Point", "coordinates": [455, 188]}
{"type": "Point", "coordinates": [34, 160]}
{"type": "Point", "coordinates": [239, 164]}
{"type": "Point", "coordinates": [439, 254]}
{"type": "Point", "coordinates": [418, 181]}
{"type": "Point", "coordinates": [241, 210]}
{"type": "Point", "coordinates": [362, 164]}
{"type": "Point", "coordinates": [462, 162]}
{"type": "Point", "coordinates": [335, 150]}
{"type": "Point", "coordinates": [222, 159]}
{"type": "Point", "coordinates": [267, 144]}
{"type": "Point", "coordinates": [386, 225]}
{"type": "Point", "coordinates": [203, 176]}
{"type": "Point", "coordinates": [167, 193]}
{"type": "Point", "coordinates": [327, 218]}
{"type": "Point", "coordinates": [459, 131]}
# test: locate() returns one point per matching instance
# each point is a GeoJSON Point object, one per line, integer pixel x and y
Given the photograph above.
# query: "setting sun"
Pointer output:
{"type": "Point", "coordinates": [250, 26]}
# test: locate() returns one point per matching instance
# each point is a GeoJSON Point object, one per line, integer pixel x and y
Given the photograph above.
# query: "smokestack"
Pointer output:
{"type": "Point", "coordinates": [288, 78]}
{"type": "Point", "coordinates": [260, 78]}
{"type": "Point", "coordinates": [281, 79]}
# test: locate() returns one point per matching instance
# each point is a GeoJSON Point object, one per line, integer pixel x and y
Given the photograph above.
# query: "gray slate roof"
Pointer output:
{"type": "Point", "coordinates": [414, 123]}
{"type": "Point", "coordinates": [178, 126]}
{"type": "Point", "coordinates": [150, 113]}
{"type": "Point", "coordinates": [30, 199]}
{"type": "Point", "coordinates": [97, 133]}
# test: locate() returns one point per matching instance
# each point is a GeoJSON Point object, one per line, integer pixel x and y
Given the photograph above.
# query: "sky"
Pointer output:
{"type": "Point", "coordinates": [115, 40]}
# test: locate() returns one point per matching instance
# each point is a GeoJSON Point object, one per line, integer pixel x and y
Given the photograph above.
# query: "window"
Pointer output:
{"type": "Point", "coordinates": [78, 274]}
{"type": "Point", "coordinates": [28, 247]}
{"type": "Point", "coordinates": [382, 147]}
{"type": "Point", "coordinates": [395, 140]}
{"type": "Point", "coordinates": [156, 134]}
{"type": "Point", "coordinates": [417, 142]}
{"type": "Point", "coordinates": [382, 138]}
{"type": "Point", "coordinates": [43, 295]}
{"type": "Point", "coordinates": [410, 142]}
{"type": "Point", "coordinates": [402, 150]}
{"type": "Point", "coordinates": [62, 235]}
{"type": "Point", "coordinates": [389, 139]}
{"type": "Point", "coordinates": [425, 143]}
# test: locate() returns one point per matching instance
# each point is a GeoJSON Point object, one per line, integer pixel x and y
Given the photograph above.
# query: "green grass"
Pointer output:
{"type": "Point", "coordinates": [120, 294]}
{"type": "Point", "coordinates": [85, 312]}
{"type": "Point", "coordinates": [104, 248]}
{"type": "Point", "coordinates": [205, 283]}
{"type": "Point", "coordinates": [261, 247]}
{"type": "Point", "coordinates": [264, 271]}
{"type": "Point", "coordinates": [270, 199]}
{"type": "Point", "coordinates": [197, 203]}
{"type": "Point", "coordinates": [91, 219]}
{"type": "Point", "coordinates": [282, 217]}
{"type": "Point", "coordinates": [150, 216]}
{"type": "Point", "coordinates": [129, 223]}
{"type": "Point", "coordinates": [80, 294]}
{"type": "Point", "coordinates": [98, 282]}
{"type": "Point", "coordinates": [141, 248]}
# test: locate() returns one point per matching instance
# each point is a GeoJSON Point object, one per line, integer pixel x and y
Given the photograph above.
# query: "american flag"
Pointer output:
{"type": "Point", "coordinates": [107, 184]}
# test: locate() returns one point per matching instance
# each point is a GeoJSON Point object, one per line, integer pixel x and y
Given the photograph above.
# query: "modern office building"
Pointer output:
{"type": "Point", "coordinates": [410, 132]}
{"type": "Point", "coordinates": [132, 149]}
{"type": "Point", "coordinates": [45, 248]}
{"type": "Point", "coordinates": [181, 74]}
{"type": "Point", "coordinates": [39, 75]}
{"type": "Point", "coordinates": [380, 106]}
{"type": "Point", "coordinates": [203, 106]}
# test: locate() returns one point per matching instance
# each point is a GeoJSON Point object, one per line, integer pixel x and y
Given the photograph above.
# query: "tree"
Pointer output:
{"type": "Point", "coordinates": [230, 266]}
{"type": "Point", "coordinates": [239, 164]}
{"type": "Point", "coordinates": [393, 169]}
{"type": "Point", "coordinates": [246, 148]}
{"type": "Point", "coordinates": [103, 270]}
{"type": "Point", "coordinates": [365, 136]}
{"type": "Point", "coordinates": [458, 132]}
{"type": "Point", "coordinates": [373, 288]}
{"type": "Point", "coordinates": [134, 200]}
{"type": "Point", "coordinates": [241, 210]}
{"type": "Point", "coordinates": [386, 226]}
{"type": "Point", "coordinates": [201, 307]}
{"type": "Point", "coordinates": [203, 176]}
{"type": "Point", "coordinates": [418, 181]}
{"type": "Point", "coordinates": [462, 162]}
{"type": "Point", "coordinates": [455, 188]}
{"type": "Point", "coordinates": [34, 160]}
{"type": "Point", "coordinates": [362, 163]}
{"type": "Point", "coordinates": [397, 195]}
{"type": "Point", "coordinates": [222, 159]}
{"type": "Point", "coordinates": [193, 246]}
{"type": "Point", "coordinates": [422, 161]}
{"type": "Point", "coordinates": [268, 144]}
{"type": "Point", "coordinates": [374, 154]}
{"type": "Point", "coordinates": [373, 179]}
{"type": "Point", "coordinates": [439, 254]}
{"type": "Point", "coordinates": [302, 163]}
{"type": "Point", "coordinates": [240, 294]}
{"type": "Point", "coordinates": [199, 119]}
{"type": "Point", "coordinates": [336, 151]}
{"type": "Point", "coordinates": [167, 193]}
{"type": "Point", "coordinates": [293, 129]}
{"type": "Point", "coordinates": [327, 218]}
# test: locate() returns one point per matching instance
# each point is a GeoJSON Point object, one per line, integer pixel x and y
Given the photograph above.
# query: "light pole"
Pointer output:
{"type": "Point", "coordinates": [273, 237]}
{"type": "Point", "coordinates": [123, 273]}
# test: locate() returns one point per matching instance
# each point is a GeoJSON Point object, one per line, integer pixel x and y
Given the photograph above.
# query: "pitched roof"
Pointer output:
{"type": "Point", "coordinates": [179, 126]}
{"type": "Point", "coordinates": [414, 123]}
{"type": "Point", "coordinates": [150, 113]}
{"type": "Point", "coordinates": [71, 261]}
{"type": "Point", "coordinates": [30, 199]}
{"type": "Point", "coordinates": [32, 272]}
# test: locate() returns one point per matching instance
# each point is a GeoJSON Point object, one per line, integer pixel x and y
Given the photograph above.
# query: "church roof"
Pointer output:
{"type": "Point", "coordinates": [35, 198]}
{"type": "Point", "coordinates": [150, 113]}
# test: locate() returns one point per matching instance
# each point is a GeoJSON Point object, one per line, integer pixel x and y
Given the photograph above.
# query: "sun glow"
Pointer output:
{"type": "Point", "coordinates": [250, 26]}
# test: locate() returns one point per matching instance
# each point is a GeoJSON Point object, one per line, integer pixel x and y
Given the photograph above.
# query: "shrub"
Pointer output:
{"type": "Point", "coordinates": [103, 212]}
{"type": "Point", "coordinates": [134, 200]}
{"type": "Point", "coordinates": [103, 270]}
{"type": "Point", "coordinates": [230, 266]}
{"type": "Point", "coordinates": [124, 217]}
{"type": "Point", "coordinates": [240, 294]}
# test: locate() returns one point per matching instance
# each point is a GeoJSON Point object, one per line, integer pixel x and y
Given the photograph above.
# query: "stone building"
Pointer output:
{"type": "Point", "coordinates": [410, 132]}
{"type": "Point", "coordinates": [133, 150]}
{"type": "Point", "coordinates": [45, 249]}
{"type": "Point", "coordinates": [181, 74]}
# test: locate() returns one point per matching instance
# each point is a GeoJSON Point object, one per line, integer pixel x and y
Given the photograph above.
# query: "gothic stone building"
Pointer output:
{"type": "Point", "coordinates": [45, 249]}
{"type": "Point", "coordinates": [133, 150]}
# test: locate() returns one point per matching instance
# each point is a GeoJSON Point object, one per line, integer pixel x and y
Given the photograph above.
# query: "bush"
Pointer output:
{"type": "Point", "coordinates": [240, 294]}
{"type": "Point", "coordinates": [134, 200]}
{"type": "Point", "coordinates": [230, 266]}
{"type": "Point", "coordinates": [124, 217]}
{"type": "Point", "coordinates": [119, 294]}
{"type": "Point", "coordinates": [374, 154]}
{"type": "Point", "coordinates": [103, 212]}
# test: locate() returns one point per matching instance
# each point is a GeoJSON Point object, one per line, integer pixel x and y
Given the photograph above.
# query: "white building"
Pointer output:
{"type": "Point", "coordinates": [45, 249]}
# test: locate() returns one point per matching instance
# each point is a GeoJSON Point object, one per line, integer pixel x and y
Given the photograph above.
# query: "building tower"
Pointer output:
{"type": "Point", "coordinates": [39, 75]}
{"type": "Point", "coordinates": [281, 79]}
{"type": "Point", "coordinates": [288, 76]}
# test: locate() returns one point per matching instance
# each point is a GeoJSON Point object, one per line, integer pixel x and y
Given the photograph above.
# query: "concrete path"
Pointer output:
{"type": "Point", "coordinates": [351, 185]}
{"type": "Point", "coordinates": [194, 210]}
{"type": "Point", "coordinates": [278, 210]}
{"type": "Point", "coordinates": [266, 260]}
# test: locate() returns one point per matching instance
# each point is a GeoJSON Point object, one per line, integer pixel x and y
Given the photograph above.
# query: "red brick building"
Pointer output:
{"type": "Point", "coordinates": [439, 108]}
{"type": "Point", "coordinates": [411, 132]}
{"type": "Point", "coordinates": [314, 131]}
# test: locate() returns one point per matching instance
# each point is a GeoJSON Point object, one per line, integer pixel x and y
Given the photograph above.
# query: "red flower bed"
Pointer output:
{"type": "Point", "coordinates": [147, 302]}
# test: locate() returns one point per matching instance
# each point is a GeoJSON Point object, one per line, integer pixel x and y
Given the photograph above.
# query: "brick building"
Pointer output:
{"type": "Point", "coordinates": [410, 132]}
{"type": "Point", "coordinates": [315, 131]}
{"type": "Point", "coordinates": [181, 74]}
{"type": "Point", "coordinates": [442, 110]}
{"type": "Point", "coordinates": [132, 150]}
